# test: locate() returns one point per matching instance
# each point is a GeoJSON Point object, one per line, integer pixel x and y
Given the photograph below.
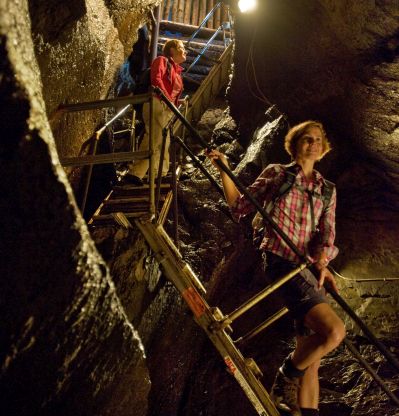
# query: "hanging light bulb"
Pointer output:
{"type": "Point", "coordinates": [247, 5]}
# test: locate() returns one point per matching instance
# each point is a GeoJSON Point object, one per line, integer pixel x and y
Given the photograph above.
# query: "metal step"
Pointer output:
{"type": "Point", "coordinates": [132, 201]}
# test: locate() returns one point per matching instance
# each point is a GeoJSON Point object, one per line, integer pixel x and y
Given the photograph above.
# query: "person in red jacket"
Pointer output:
{"type": "Point", "coordinates": [165, 74]}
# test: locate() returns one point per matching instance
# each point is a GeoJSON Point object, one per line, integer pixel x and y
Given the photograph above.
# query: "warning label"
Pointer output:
{"type": "Point", "coordinates": [246, 387]}
{"type": "Point", "coordinates": [194, 301]}
{"type": "Point", "coordinates": [230, 365]}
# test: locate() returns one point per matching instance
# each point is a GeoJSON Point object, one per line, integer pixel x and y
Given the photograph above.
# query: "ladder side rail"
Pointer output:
{"type": "Point", "coordinates": [160, 167]}
{"type": "Point", "coordinates": [198, 96]}
{"type": "Point", "coordinates": [173, 151]}
{"type": "Point", "coordinates": [253, 389]}
{"type": "Point", "coordinates": [151, 171]}
{"type": "Point", "coordinates": [175, 269]}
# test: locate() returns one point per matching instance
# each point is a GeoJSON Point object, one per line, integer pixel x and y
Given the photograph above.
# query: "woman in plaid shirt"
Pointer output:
{"type": "Point", "coordinates": [309, 222]}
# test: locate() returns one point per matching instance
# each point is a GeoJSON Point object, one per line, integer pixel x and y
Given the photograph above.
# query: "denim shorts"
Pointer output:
{"type": "Point", "coordinates": [300, 293]}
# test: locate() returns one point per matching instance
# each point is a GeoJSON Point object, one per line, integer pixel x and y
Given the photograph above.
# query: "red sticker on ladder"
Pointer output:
{"type": "Point", "coordinates": [194, 301]}
{"type": "Point", "coordinates": [230, 364]}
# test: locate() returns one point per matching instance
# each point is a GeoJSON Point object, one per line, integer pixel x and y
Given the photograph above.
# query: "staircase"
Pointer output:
{"type": "Point", "coordinates": [204, 77]}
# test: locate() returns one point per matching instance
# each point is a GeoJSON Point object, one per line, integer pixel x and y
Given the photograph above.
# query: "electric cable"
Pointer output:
{"type": "Point", "coordinates": [351, 279]}
{"type": "Point", "coordinates": [261, 97]}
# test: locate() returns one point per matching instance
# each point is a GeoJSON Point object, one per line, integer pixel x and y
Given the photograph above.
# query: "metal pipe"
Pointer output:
{"type": "Point", "coordinates": [97, 139]}
{"type": "Point", "coordinates": [174, 191]}
{"type": "Point", "coordinates": [262, 326]}
{"type": "Point", "coordinates": [89, 173]}
{"type": "Point", "coordinates": [204, 22]}
{"type": "Point", "coordinates": [370, 370]}
{"type": "Point", "coordinates": [263, 293]}
{"type": "Point", "coordinates": [199, 164]}
{"type": "Point", "coordinates": [151, 164]}
{"type": "Point", "coordinates": [104, 158]}
{"type": "Point", "coordinates": [203, 50]}
{"type": "Point", "coordinates": [228, 319]}
{"type": "Point", "coordinates": [230, 174]}
{"type": "Point", "coordinates": [133, 132]}
{"type": "Point", "coordinates": [155, 33]}
{"type": "Point", "coordinates": [160, 165]}
{"type": "Point", "coordinates": [381, 347]}
{"type": "Point", "coordinates": [110, 102]}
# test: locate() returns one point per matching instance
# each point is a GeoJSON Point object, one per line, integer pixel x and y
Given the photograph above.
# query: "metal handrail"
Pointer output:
{"type": "Point", "coordinates": [204, 49]}
{"type": "Point", "coordinates": [202, 24]}
{"type": "Point", "coordinates": [95, 159]}
{"type": "Point", "coordinates": [223, 26]}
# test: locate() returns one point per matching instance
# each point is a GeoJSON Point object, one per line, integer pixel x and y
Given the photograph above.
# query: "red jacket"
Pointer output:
{"type": "Point", "coordinates": [170, 81]}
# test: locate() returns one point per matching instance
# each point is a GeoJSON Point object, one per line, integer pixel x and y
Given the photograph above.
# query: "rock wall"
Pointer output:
{"type": "Point", "coordinates": [67, 345]}
{"type": "Point", "coordinates": [68, 337]}
{"type": "Point", "coordinates": [337, 63]}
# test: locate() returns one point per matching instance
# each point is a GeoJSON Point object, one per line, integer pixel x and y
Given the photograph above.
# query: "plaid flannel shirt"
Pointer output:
{"type": "Point", "coordinates": [292, 214]}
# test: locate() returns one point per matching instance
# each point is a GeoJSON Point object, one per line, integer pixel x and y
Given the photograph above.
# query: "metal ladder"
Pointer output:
{"type": "Point", "coordinates": [210, 319]}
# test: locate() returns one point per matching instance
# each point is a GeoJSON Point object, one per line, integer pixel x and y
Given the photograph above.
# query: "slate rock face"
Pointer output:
{"type": "Point", "coordinates": [69, 343]}
{"type": "Point", "coordinates": [337, 63]}
{"type": "Point", "coordinates": [67, 346]}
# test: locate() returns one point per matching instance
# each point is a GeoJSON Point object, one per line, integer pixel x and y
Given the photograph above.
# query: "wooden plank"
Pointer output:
{"type": "Point", "coordinates": [166, 9]}
{"type": "Point", "coordinates": [216, 20]}
{"type": "Point", "coordinates": [202, 11]}
{"type": "Point", "coordinates": [165, 208]}
{"type": "Point", "coordinates": [211, 5]}
{"type": "Point", "coordinates": [109, 217]}
{"type": "Point", "coordinates": [195, 13]}
{"type": "Point", "coordinates": [189, 29]}
{"type": "Point", "coordinates": [174, 11]}
{"type": "Point", "coordinates": [224, 14]}
{"type": "Point", "coordinates": [187, 12]}
{"type": "Point", "coordinates": [180, 10]}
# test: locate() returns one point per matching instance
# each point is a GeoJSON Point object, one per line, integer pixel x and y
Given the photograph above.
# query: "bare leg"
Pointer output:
{"type": "Point", "coordinates": [308, 395]}
{"type": "Point", "coordinates": [329, 332]}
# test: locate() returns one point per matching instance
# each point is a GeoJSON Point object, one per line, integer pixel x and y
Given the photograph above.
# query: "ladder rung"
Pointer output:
{"type": "Point", "coordinates": [130, 200]}
{"type": "Point", "coordinates": [257, 298]}
{"type": "Point", "coordinates": [262, 326]}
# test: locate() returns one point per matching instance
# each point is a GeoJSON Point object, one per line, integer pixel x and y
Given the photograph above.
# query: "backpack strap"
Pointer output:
{"type": "Point", "coordinates": [327, 191]}
{"type": "Point", "coordinates": [290, 176]}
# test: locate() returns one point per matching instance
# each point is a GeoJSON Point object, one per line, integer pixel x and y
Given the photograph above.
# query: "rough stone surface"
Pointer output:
{"type": "Point", "coordinates": [67, 342]}
{"type": "Point", "coordinates": [312, 63]}
{"type": "Point", "coordinates": [67, 346]}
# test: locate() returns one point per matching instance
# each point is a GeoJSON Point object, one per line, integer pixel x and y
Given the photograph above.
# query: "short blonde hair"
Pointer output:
{"type": "Point", "coordinates": [296, 132]}
{"type": "Point", "coordinates": [172, 43]}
